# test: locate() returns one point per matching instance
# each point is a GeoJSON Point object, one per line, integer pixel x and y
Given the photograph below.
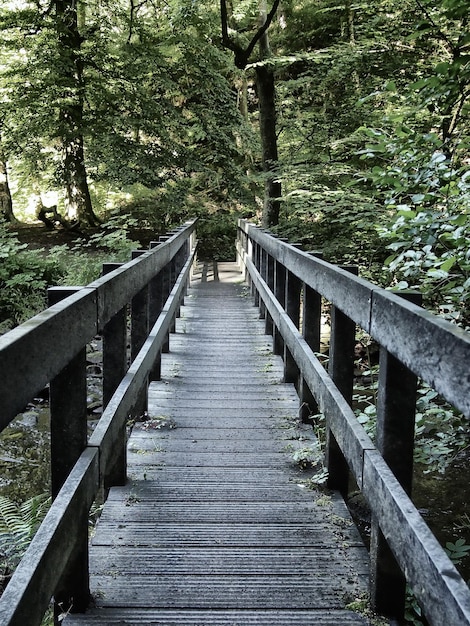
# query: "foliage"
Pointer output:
{"type": "Point", "coordinates": [83, 262]}
{"type": "Point", "coordinates": [216, 236]}
{"type": "Point", "coordinates": [308, 456]}
{"type": "Point", "coordinates": [429, 229]}
{"type": "Point", "coordinates": [440, 431]}
{"type": "Point", "coordinates": [159, 106]}
{"type": "Point", "coordinates": [18, 524]}
{"type": "Point", "coordinates": [24, 278]}
{"type": "Point", "coordinates": [26, 274]}
{"type": "Point", "coordinates": [457, 550]}
{"type": "Point", "coordinates": [312, 456]}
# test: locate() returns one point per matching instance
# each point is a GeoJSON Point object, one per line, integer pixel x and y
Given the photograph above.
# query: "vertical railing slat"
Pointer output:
{"type": "Point", "coordinates": [68, 409]}
{"type": "Point", "coordinates": [341, 370]}
{"type": "Point", "coordinates": [139, 333]}
{"type": "Point", "coordinates": [396, 408]}
{"type": "Point", "coordinates": [156, 303]}
{"type": "Point", "coordinates": [114, 347]}
{"type": "Point", "coordinates": [114, 369]}
{"type": "Point", "coordinates": [292, 307]}
{"type": "Point", "coordinates": [311, 329]}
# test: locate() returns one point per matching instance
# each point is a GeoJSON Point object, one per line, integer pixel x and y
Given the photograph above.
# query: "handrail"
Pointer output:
{"type": "Point", "coordinates": [279, 272]}
{"type": "Point", "coordinates": [435, 350]}
{"type": "Point", "coordinates": [56, 562]}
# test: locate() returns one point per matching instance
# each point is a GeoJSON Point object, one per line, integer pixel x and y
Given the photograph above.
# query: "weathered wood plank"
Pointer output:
{"type": "Point", "coordinates": [216, 525]}
{"type": "Point", "coordinates": [72, 324]}
{"type": "Point", "coordinates": [26, 597]}
{"type": "Point", "coordinates": [222, 592]}
{"type": "Point", "coordinates": [223, 561]}
{"type": "Point", "coordinates": [228, 617]}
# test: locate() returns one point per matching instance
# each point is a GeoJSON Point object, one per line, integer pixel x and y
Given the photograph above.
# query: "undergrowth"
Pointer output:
{"type": "Point", "coordinates": [25, 275]}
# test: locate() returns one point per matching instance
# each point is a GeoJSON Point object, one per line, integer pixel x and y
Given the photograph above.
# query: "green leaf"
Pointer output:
{"type": "Point", "coordinates": [442, 68]}
{"type": "Point", "coordinates": [448, 264]}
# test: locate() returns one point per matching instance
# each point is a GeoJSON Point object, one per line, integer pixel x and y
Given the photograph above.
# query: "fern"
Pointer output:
{"type": "Point", "coordinates": [18, 524]}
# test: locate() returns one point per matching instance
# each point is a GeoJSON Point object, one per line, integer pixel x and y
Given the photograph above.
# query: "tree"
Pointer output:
{"type": "Point", "coordinates": [71, 79]}
{"type": "Point", "coordinates": [267, 121]}
{"type": "Point", "coordinates": [6, 204]}
{"type": "Point", "coordinates": [266, 103]}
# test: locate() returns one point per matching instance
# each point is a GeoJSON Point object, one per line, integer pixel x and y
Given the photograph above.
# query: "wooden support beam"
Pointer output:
{"type": "Point", "coordinates": [341, 370]}
{"type": "Point", "coordinates": [68, 408]}
{"type": "Point", "coordinates": [292, 307]}
{"type": "Point", "coordinates": [114, 368]}
{"type": "Point", "coordinates": [396, 408]}
{"type": "Point", "coordinates": [311, 325]}
{"type": "Point", "coordinates": [139, 333]}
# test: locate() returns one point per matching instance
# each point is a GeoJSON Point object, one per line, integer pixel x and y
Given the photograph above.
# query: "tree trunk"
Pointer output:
{"type": "Point", "coordinates": [6, 204]}
{"type": "Point", "coordinates": [267, 121]}
{"type": "Point", "coordinates": [79, 206]}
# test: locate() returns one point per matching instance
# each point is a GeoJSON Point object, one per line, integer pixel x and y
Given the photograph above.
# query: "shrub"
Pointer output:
{"type": "Point", "coordinates": [24, 278]}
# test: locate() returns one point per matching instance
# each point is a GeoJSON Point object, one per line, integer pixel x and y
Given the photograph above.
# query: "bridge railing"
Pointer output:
{"type": "Point", "coordinates": [50, 349]}
{"type": "Point", "coordinates": [288, 285]}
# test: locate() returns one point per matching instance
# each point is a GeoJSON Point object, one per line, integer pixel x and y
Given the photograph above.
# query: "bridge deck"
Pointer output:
{"type": "Point", "coordinates": [215, 526]}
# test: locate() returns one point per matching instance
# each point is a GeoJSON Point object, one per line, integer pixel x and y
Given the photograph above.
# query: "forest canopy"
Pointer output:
{"type": "Point", "coordinates": [343, 126]}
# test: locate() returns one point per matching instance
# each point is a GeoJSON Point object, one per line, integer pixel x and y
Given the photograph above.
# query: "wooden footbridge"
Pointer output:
{"type": "Point", "coordinates": [208, 518]}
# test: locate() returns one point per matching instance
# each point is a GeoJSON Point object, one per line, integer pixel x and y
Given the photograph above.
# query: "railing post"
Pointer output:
{"type": "Point", "coordinates": [396, 408]}
{"type": "Point", "coordinates": [114, 347]}
{"type": "Point", "coordinates": [292, 307]}
{"type": "Point", "coordinates": [280, 273]}
{"type": "Point", "coordinates": [139, 334]}
{"type": "Point", "coordinates": [257, 263]}
{"type": "Point", "coordinates": [251, 255]}
{"type": "Point", "coordinates": [269, 326]}
{"type": "Point", "coordinates": [341, 370]}
{"type": "Point", "coordinates": [263, 270]}
{"type": "Point", "coordinates": [114, 369]}
{"type": "Point", "coordinates": [311, 328]}
{"type": "Point", "coordinates": [166, 289]}
{"type": "Point", "coordinates": [156, 303]}
{"type": "Point", "coordinates": [68, 409]}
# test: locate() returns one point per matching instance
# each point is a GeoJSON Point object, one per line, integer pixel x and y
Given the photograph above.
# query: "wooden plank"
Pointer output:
{"type": "Point", "coordinates": [221, 513]}
{"type": "Point", "coordinates": [26, 596]}
{"type": "Point", "coordinates": [418, 552]}
{"type": "Point", "coordinates": [434, 349]}
{"type": "Point", "coordinates": [216, 525]}
{"type": "Point", "coordinates": [229, 535]}
{"type": "Point", "coordinates": [285, 560]}
{"type": "Point", "coordinates": [71, 324]}
{"type": "Point", "coordinates": [191, 617]}
{"type": "Point", "coordinates": [216, 592]}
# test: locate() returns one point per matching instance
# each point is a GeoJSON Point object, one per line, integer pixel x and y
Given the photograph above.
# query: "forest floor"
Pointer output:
{"type": "Point", "coordinates": [36, 235]}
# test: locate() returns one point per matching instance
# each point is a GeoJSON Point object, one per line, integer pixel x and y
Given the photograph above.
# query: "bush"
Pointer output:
{"type": "Point", "coordinates": [110, 244]}
{"type": "Point", "coordinates": [24, 278]}
{"type": "Point", "coordinates": [216, 235]}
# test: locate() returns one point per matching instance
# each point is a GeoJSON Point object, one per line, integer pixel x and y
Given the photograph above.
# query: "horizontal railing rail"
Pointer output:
{"type": "Point", "coordinates": [50, 348]}
{"type": "Point", "coordinates": [289, 284]}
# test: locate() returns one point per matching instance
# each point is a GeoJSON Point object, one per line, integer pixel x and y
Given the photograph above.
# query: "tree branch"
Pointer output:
{"type": "Point", "coordinates": [241, 55]}
{"type": "Point", "coordinates": [262, 29]}
{"type": "Point", "coordinates": [440, 33]}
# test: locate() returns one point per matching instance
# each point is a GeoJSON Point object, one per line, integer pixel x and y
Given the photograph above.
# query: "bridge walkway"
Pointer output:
{"type": "Point", "coordinates": [216, 525]}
